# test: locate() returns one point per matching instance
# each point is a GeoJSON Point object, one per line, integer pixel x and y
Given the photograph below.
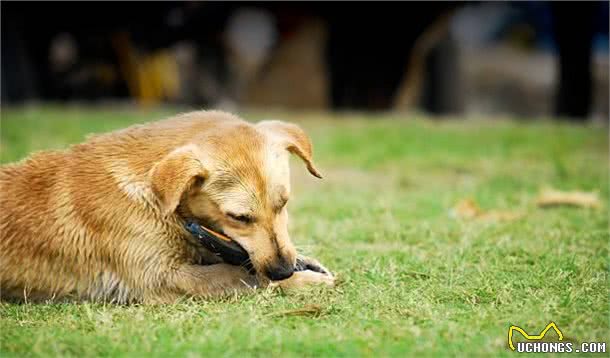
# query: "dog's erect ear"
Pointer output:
{"type": "Point", "coordinates": [180, 171]}
{"type": "Point", "coordinates": [294, 140]}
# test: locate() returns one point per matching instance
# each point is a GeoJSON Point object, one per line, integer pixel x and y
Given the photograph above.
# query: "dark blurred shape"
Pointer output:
{"type": "Point", "coordinates": [442, 89]}
{"type": "Point", "coordinates": [18, 79]}
{"type": "Point", "coordinates": [574, 28]}
{"type": "Point", "coordinates": [369, 46]}
{"type": "Point", "coordinates": [442, 57]}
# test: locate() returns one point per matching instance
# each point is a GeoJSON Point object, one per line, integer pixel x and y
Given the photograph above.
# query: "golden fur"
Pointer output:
{"type": "Point", "coordinates": [103, 220]}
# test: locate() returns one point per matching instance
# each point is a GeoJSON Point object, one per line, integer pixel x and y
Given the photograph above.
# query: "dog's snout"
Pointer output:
{"type": "Point", "coordinates": [277, 273]}
{"type": "Point", "coordinates": [280, 270]}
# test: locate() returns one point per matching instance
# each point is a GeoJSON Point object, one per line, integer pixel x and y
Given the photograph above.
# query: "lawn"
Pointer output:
{"type": "Point", "coordinates": [413, 278]}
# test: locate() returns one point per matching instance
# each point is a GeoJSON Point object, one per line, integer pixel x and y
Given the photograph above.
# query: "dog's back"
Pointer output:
{"type": "Point", "coordinates": [67, 217]}
{"type": "Point", "coordinates": [30, 245]}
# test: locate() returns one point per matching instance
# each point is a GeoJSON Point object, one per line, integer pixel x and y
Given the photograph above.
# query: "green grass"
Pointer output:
{"type": "Point", "coordinates": [413, 280]}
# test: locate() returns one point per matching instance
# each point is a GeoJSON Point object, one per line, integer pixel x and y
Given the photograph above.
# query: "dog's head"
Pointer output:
{"type": "Point", "coordinates": [236, 180]}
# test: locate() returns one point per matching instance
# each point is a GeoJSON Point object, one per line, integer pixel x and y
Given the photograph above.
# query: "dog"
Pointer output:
{"type": "Point", "coordinates": [104, 220]}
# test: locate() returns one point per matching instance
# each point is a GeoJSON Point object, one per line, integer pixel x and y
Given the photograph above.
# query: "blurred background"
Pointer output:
{"type": "Point", "coordinates": [523, 59]}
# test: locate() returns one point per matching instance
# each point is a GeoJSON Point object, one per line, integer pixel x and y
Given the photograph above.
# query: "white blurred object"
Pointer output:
{"type": "Point", "coordinates": [474, 25]}
{"type": "Point", "coordinates": [63, 52]}
{"type": "Point", "coordinates": [250, 35]}
{"type": "Point", "coordinates": [249, 38]}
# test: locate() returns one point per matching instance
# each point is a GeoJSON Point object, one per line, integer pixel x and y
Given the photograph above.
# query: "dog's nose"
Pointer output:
{"type": "Point", "coordinates": [279, 273]}
{"type": "Point", "coordinates": [280, 270]}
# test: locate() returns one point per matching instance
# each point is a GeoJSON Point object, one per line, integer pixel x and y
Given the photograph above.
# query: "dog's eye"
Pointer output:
{"type": "Point", "coordinates": [246, 219]}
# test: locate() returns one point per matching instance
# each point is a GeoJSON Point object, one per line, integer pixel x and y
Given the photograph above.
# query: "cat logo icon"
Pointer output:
{"type": "Point", "coordinates": [532, 337]}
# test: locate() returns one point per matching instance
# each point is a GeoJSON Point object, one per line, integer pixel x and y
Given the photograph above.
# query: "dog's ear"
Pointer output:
{"type": "Point", "coordinates": [179, 172]}
{"type": "Point", "coordinates": [294, 139]}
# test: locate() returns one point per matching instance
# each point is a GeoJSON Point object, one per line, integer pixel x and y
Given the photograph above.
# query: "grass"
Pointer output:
{"type": "Point", "coordinates": [414, 281]}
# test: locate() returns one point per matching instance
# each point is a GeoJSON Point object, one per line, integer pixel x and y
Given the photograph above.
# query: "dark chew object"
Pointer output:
{"type": "Point", "coordinates": [228, 250]}
{"type": "Point", "coordinates": [302, 265]}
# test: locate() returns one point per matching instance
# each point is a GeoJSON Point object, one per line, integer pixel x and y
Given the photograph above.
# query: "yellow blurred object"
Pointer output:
{"type": "Point", "coordinates": [466, 209]}
{"type": "Point", "coordinates": [469, 209]}
{"type": "Point", "coordinates": [150, 78]}
{"type": "Point", "coordinates": [552, 197]}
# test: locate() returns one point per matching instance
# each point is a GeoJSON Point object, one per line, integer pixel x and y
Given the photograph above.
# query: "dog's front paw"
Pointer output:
{"type": "Point", "coordinates": [305, 278]}
{"type": "Point", "coordinates": [307, 263]}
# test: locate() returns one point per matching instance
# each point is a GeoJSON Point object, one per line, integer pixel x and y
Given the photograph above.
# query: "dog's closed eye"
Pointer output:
{"type": "Point", "coordinates": [243, 218]}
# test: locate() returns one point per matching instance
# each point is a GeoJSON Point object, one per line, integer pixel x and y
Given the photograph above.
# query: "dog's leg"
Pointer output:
{"type": "Point", "coordinates": [308, 263]}
{"type": "Point", "coordinates": [204, 281]}
{"type": "Point", "coordinates": [308, 272]}
{"type": "Point", "coordinates": [305, 278]}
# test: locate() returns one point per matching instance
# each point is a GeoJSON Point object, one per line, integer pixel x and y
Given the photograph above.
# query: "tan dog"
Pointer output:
{"type": "Point", "coordinates": [104, 219]}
